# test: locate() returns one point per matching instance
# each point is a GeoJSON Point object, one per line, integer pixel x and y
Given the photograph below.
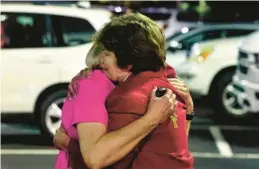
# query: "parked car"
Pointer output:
{"type": "Point", "coordinates": [179, 45]}
{"type": "Point", "coordinates": [209, 71]}
{"type": "Point", "coordinates": [244, 90]}
{"type": "Point", "coordinates": [44, 46]}
{"type": "Point", "coordinates": [188, 15]}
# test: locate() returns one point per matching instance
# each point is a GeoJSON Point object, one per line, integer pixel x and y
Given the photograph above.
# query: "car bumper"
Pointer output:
{"type": "Point", "coordinates": [247, 94]}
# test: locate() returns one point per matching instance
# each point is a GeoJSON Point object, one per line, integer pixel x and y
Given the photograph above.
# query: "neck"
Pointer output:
{"type": "Point", "coordinates": [124, 76]}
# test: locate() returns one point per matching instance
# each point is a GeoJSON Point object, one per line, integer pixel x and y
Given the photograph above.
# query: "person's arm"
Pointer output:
{"type": "Point", "coordinates": [100, 150]}
{"type": "Point", "coordinates": [189, 111]}
{"type": "Point", "coordinates": [104, 149]}
{"type": "Point", "coordinates": [73, 85]}
{"type": "Point", "coordinates": [61, 139]}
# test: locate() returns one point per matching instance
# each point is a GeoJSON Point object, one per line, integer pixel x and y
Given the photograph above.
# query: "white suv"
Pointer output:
{"type": "Point", "coordinates": [179, 45]}
{"type": "Point", "coordinates": [245, 87]}
{"type": "Point", "coordinates": [209, 71]}
{"type": "Point", "coordinates": [42, 48]}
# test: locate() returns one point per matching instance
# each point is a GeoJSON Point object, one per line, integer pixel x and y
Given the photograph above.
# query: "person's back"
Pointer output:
{"type": "Point", "coordinates": [87, 106]}
{"type": "Point", "coordinates": [167, 146]}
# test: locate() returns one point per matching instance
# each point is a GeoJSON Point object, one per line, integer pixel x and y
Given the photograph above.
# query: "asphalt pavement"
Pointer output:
{"type": "Point", "coordinates": [224, 145]}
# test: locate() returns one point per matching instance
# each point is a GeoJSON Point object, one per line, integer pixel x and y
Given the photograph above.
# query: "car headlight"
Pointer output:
{"type": "Point", "coordinates": [200, 54]}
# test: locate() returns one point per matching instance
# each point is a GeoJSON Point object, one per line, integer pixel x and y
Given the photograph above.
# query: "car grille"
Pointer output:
{"type": "Point", "coordinates": [243, 69]}
{"type": "Point", "coordinates": [257, 60]}
{"type": "Point", "coordinates": [242, 56]}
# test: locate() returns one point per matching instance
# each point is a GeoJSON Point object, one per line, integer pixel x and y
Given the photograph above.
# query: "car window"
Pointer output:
{"type": "Point", "coordinates": [202, 36]}
{"type": "Point", "coordinates": [180, 32]}
{"type": "Point", "coordinates": [23, 30]}
{"type": "Point", "coordinates": [71, 31]}
{"type": "Point", "coordinates": [238, 32]}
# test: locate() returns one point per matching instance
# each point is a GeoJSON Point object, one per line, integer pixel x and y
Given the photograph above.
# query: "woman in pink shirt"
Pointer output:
{"type": "Point", "coordinates": [88, 109]}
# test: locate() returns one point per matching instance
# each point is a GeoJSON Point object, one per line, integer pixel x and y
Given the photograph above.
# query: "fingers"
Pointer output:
{"type": "Point", "coordinates": [72, 89]}
{"type": "Point", "coordinates": [174, 105]}
{"type": "Point", "coordinates": [168, 93]}
{"type": "Point", "coordinates": [81, 74]}
{"type": "Point", "coordinates": [182, 90]}
{"type": "Point", "coordinates": [172, 98]}
{"type": "Point", "coordinates": [175, 80]}
{"type": "Point", "coordinates": [180, 86]}
{"type": "Point", "coordinates": [68, 95]}
{"type": "Point", "coordinates": [171, 108]}
{"type": "Point", "coordinates": [70, 92]}
{"type": "Point", "coordinates": [176, 83]}
{"type": "Point", "coordinates": [75, 87]}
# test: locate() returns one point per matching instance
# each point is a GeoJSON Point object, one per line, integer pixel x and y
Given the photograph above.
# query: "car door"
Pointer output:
{"type": "Point", "coordinates": [27, 64]}
{"type": "Point", "coordinates": [179, 56]}
{"type": "Point", "coordinates": [72, 38]}
{"type": "Point", "coordinates": [72, 42]}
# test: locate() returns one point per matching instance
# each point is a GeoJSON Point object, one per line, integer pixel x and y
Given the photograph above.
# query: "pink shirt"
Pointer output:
{"type": "Point", "coordinates": [87, 106]}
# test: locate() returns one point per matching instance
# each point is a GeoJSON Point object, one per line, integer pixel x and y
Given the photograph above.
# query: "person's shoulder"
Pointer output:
{"type": "Point", "coordinates": [87, 81]}
{"type": "Point", "coordinates": [97, 82]}
{"type": "Point", "coordinates": [98, 74]}
{"type": "Point", "coordinates": [93, 78]}
{"type": "Point", "coordinates": [160, 82]}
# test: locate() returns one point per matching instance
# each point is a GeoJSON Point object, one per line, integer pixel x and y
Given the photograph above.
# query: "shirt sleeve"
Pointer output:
{"type": "Point", "coordinates": [89, 104]}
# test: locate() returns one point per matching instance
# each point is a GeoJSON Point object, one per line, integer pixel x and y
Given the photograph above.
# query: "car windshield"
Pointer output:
{"type": "Point", "coordinates": [181, 32]}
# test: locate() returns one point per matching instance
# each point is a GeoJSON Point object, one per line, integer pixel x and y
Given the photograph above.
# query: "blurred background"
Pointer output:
{"type": "Point", "coordinates": [213, 46]}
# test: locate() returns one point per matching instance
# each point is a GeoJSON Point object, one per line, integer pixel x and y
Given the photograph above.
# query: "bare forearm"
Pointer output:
{"type": "Point", "coordinates": [121, 152]}
{"type": "Point", "coordinates": [115, 145]}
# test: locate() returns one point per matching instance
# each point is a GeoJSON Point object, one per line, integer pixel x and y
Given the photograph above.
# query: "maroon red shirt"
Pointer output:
{"type": "Point", "coordinates": [166, 147]}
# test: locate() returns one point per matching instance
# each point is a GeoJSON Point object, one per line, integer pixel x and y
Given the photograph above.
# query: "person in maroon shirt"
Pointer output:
{"type": "Point", "coordinates": [134, 55]}
{"type": "Point", "coordinates": [136, 47]}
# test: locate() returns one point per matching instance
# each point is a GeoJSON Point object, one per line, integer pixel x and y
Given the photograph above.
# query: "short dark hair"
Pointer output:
{"type": "Point", "coordinates": [135, 40]}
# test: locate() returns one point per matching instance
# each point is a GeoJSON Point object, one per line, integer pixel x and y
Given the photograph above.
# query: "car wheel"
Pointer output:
{"type": "Point", "coordinates": [230, 102]}
{"type": "Point", "coordinates": [223, 102]}
{"type": "Point", "coordinates": [49, 117]}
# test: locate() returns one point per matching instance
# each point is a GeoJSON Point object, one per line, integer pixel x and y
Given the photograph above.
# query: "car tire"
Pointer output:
{"type": "Point", "coordinates": [49, 116]}
{"type": "Point", "coordinates": [218, 96]}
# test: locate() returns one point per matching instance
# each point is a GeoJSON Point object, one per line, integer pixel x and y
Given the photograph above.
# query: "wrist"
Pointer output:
{"type": "Point", "coordinates": [150, 120]}
{"type": "Point", "coordinates": [190, 116]}
{"type": "Point", "coordinates": [189, 111]}
{"type": "Point", "coordinates": [67, 142]}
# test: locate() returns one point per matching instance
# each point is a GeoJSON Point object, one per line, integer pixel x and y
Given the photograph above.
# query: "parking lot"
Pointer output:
{"type": "Point", "coordinates": [214, 145]}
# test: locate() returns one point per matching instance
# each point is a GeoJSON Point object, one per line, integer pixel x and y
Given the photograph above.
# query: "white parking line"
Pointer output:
{"type": "Point", "coordinates": [217, 155]}
{"type": "Point", "coordinates": [223, 146]}
{"type": "Point", "coordinates": [54, 152]}
{"type": "Point", "coordinates": [13, 129]}
{"type": "Point", "coordinates": [225, 127]}
{"type": "Point", "coordinates": [29, 152]}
